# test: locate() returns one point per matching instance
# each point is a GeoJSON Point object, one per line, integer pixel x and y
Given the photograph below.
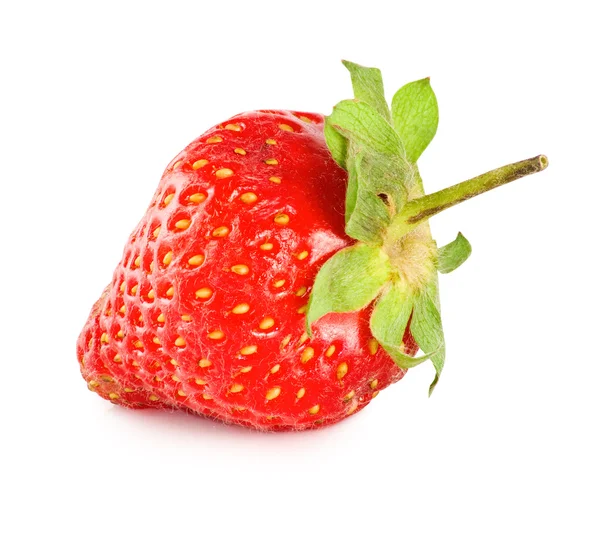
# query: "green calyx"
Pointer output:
{"type": "Point", "coordinates": [393, 265]}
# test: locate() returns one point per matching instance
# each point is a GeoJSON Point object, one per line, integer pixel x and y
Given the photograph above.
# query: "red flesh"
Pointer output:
{"type": "Point", "coordinates": [311, 192]}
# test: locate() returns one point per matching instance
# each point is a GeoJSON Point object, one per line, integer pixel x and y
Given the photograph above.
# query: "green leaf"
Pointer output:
{"type": "Point", "coordinates": [368, 87]}
{"type": "Point", "coordinates": [388, 324]}
{"type": "Point", "coordinates": [336, 143]}
{"type": "Point", "coordinates": [415, 116]}
{"type": "Point", "coordinates": [454, 254]}
{"type": "Point", "coordinates": [348, 281]}
{"type": "Point", "coordinates": [426, 328]}
{"type": "Point", "coordinates": [377, 186]}
{"type": "Point", "coordinates": [352, 187]}
{"type": "Point", "coordinates": [361, 124]}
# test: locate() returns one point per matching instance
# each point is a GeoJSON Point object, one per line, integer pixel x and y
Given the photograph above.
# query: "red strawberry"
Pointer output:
{"type": "Point", "coordinates": [207, 310]}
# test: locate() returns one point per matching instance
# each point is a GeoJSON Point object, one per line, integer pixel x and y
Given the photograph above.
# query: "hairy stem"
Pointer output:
{"type": "Point", "coordinates": [419, 210]}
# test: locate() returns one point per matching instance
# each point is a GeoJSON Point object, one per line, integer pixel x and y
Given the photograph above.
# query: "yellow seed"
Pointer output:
{"type": "Point", "coordinates": [134, 290]}
{"type": "Point", "coordinates": [349, 395]}
{"type": "Point", "coordinates": [216, 335]}
{"type": "Point", "coordinates": [275, 368]}
{"type": "Point", "coordinates": [282, 219]}
{"type": "Point", "coordinates": [150, 295]}
{"type": "Point", "coordinates": [174, 362]}
{"type": "Point", "coordinates": [245, 369]}
{"type": "Point", "coordinates": [342, 370]}
{"type": "Point", "coordinates": [180, 342]}
{"type": "Point", "coordinates": [182, 224]}
{"type": "Point", "coordinates": [176, 379]}
{"type": "Point", "coordinates": [204, 363]}
{"type": "Point", "coordinates": [302, 255]}
{"type": "Point", "coordinates": [197, 198]}
{"type": "Point", "coordinates": [235, 388]}
{"type": "Point", "coordinates": [242, 308]}
{"type": "Point", "coordinates": [266, 323]}
{"type": "Point", "coordinates": [129, 390]}
{"type": "Point", "coordinates": [240, 269]}
{"type": "Point", "coordinates": [181, 393]}
{"type": "Point", "coordinates": [301, 291]}
{"type": "Point", "coordinates": [305, 119]}
{"type": "Point", "coordinates": [224, 173]}
{"type": "Point", "coordinates": [161, 318]}
{"type": "Point", "coordinates": [204, 293]}
{"type": "Point", "coordinates": [286, 127]}
{"type": "Point", "coordinates": [249, 197]}
{"type": "Point", "coordinates": [113, 395]}
{"type": "Point", "coordinates": [373, 384]}
{"type": "Point", "coordinates": [186, 317]}
{"type": "Point", "coordinates": [279, 283]}
{"type": "Point", "coordinates": [156, 340]}
{"type": "Point", "coordinates": [239, 150]}
{"type": "Point", "coordinates": [122, 287]}
{"type": "Point", "coordinates": [314, 409]}
{"type": "Point", "coordinates": [248, 350]}
{"type": "Point", "coordinates": [117, 358]}
{"type": "Point", "coordinates": [220, 232]}
{"type": "Point", "coordinates": [93, 383]}
{"type": "Point", "coordinates": [266, 246]}
{"type": "Point", "coordinates": [104, 338]}
{"type": "Point", "coordinates": [214, 139]}
{"type": "Point", "coordinates": [234, 127]}
{"type": "Point", "coordinates": [352, 408]}
{"type": "Point", "coordinates": [207, 396]}
{"type": "Point", "coordinates": [285, 341]}
{"type": "Point", "coordinates": [141, 319]}
{"type": "Point", "coordinates": [271, 161]}
{"type": "Point", "coordinates": [275, 180]}
{"type": "Point", "coordinates": [168, 199]}
{"type": "Point", "coordinates": [196, 260]}
{"type": "Point", "coordinates": [271, 141]}
{"type": "Point", "coordinates": [121, 334]}
{"type": "Point", "coordinates": [107, 379]}
{"type": "Point", "coordinates": [167, 258]}
{"type": "Point", "coordinates": [307, 354]}
{"type": "Point", "coordinates": [375, 394]}
{"type": "Point", "coordinates": [135, 364]}
{"type": "Point", "coordinates": [137, 262]}
{"type": "Point", "coordinates": [199, 381]}
{"type": "Point", "coordinates": [303, 338]}
{"type": "Point", "coordinates": [300, 393]}
{"type": "Point", "coordinates": [170, 292]}
{"type": "Point", "coordinates": [156, 232]}
{"type": "Point", "coordinates": [177, 164]}
{"type": "Point", "coordinates": [330, 351]}
{"type": "Point", "coordinates": [272, 393]}
{"type": "Point", "coordinates": [151, 267]}
{"type": "Point", "coordinates": [197, 165]}
{"type": "Point", "coordinates": [153, 397]}
{"type": "Point", "coordinates": [373, 346]}
{"type": "Point", "coordinates": [138, 344]}
{"type": "Point", "coordinates": [302, 309]}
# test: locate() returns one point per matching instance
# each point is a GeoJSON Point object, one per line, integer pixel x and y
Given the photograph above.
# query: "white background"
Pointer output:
{"type": "Point", "coordinates": [96, 99]}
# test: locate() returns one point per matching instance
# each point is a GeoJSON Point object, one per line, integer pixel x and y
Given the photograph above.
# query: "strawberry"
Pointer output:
{"type": "Point", "coordinates": [246, 295]}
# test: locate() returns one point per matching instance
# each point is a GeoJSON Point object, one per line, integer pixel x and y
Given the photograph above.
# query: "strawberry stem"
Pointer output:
{"type": "Point", "coordinates": [421, 209]}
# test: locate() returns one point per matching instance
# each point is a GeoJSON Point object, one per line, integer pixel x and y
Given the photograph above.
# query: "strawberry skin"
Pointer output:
{"type": "Point", "coordinates": [205, 312]}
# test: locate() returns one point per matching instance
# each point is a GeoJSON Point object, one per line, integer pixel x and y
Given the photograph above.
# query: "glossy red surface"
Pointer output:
{"type": "Point", "coordinates": [206, 313]}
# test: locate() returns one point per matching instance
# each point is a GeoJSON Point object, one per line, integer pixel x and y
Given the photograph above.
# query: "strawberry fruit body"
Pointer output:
{"type": "Point", "coordinates": [206, 311]}
{"type": "Point", "coordinates": [284, 272]}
